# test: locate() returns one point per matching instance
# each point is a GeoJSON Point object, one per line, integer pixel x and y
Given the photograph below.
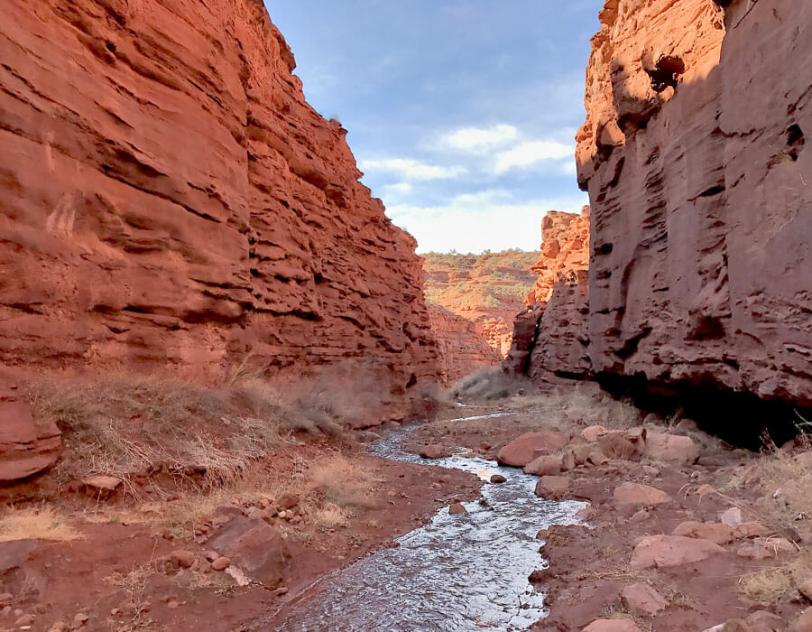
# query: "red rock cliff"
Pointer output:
{"type": "Point", "coordinates": [461, 346]}
{"type": "Point", "coordinates": [168, 198]}
{"type": "Point", "coordinates": [549, 337]}
{"type": "Point", "coordinates": [700, 179]}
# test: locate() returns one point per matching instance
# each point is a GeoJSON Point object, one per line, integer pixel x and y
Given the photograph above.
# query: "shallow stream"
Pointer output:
{"type": "Point", "coordinates": [458, 573]}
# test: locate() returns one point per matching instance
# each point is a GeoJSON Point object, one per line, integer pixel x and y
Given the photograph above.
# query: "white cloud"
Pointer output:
{"type": "Point", "coordinates": [530, 153]}
{"type": "Point", "coordinates": [400, 188]}
{"type": "Point", "coordinates": [408, 169]}
{"type": "Point", "coordinates": [477, 139]}
{"type": "Point", "coordinates": [486, 220]}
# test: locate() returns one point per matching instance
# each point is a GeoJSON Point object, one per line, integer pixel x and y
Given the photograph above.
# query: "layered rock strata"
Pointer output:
{"type": "Point", "coordinates": [169, 199]}
{"type": "Point", "coordinates": [487, 289]}
{"type": "Point", "coordinates": [461, 346]}
{"type": "Point", "coordinates": [695, 159]}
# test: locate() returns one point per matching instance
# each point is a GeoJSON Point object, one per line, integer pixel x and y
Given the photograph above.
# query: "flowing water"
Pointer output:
{"type": "Point", "coordinates": [458, 573]}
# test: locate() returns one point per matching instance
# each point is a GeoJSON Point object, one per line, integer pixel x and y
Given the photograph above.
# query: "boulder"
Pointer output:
{"type": "Point", "coordinates": [530, 445]}
{"type": "Point", "coordinates": [668, 448]}
{"type": "Point", "coordinates": [27, 446]}
{"type": "Point", "coordinates": [498, 479]}
{"type": "Point", "coordinates": [636, 494]}
{"type": "Point", "coordinates": [664, 551]}
{"type": "Point", "coordinates": [749, 530]}
{"type": "Point", "coordinates": [545, 465]}
{"type": "Point", "coordinates": [253, 545]}
{"type": "Point", "coordinates": [641, 599]}
{"type": "Point", "coordinates": [435, 451]}
{"type": "Point", "coordinates": [553, 487]}
{"type": "Point", "coordinates": [457, 508]}
{"type": "Point", "coordinates": [766, 548]}
{"type": "Point", "coordinates": [711, 531]}
{"type": "Point", "coordinates": [621, 445]}
{"type": "Point", "coordinates": [101, 486]}
{"type": "Point", "coordinates": [592, 433]}
{"type": "Point", "coordinates": [612, 625]}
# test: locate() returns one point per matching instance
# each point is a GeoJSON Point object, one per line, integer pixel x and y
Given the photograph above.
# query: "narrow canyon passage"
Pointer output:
{"type": "Point", "coordinates": [459, 573]}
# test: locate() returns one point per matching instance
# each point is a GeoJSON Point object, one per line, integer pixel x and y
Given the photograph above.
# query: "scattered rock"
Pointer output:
{"type": "Point", "coordinates": [221, 563]}
{"type": "Point", "coordinates": [26, 619]}
{"type": "Point", "coordinates": [711, 531]}
{"type": "Point", "coordinates": [642, 599]}
{"type": "Point", "coordinates": [102, 487]}
{"type": "Point", "coordinates": [58, 626]}
{"type": "Point", "coordinates": [545, 465]}
{"type": "Point", "coordinates": [612, 625]}
{"type": "Point", "coordinates": [553, 487]}
{"type": "Point", "coordinates": [568, 462]}
{"type": "Point", "coordinates": [183, 558]}
{"type": "Point", "coordinates": [80, 620]}
{"type": "Point", "coordinates": [640, 516]}
{"type": "Point", "coordinates": [253, 545]}
{"type": "Point", "coordinates": [764, 621]}
{"type": "Point", "coordinates": [596, 457]}
{"type": "Point", "coordinates": [537, 576]}
{"type": "Point", "coordinates": [288, 501]}
{"type": "Point", "coordinates": [435, 451]}
{"type": "Point", "coordinates": [6, 599]}
{"type": "Point", "coordinates": [530, 445]}
{"type": "Point", "coordinates": [636, 494]}
{"type": "Point", "coordinates": [593, 433]}
{"type": "Point", "coordinates": [457, 508]}
{"type": "Point", "coordinates": [765, 548]}
{"type": "Point", "coordinates": [732, 517]}
{"type": "Point", "coordinates": [687, 425]}
{"type": "Point", "coordinates": [498, 479]}
{"type": "Point", "coordinates": [621, 445]}
{"type": "Point", "coordinates": [668, 448]}
{"type": "Point", "coordinates": [581, 452]}
{"type": "Point", "coordinates": [749, 530]}
{"type": "Point", "coordinates": [664, 551]}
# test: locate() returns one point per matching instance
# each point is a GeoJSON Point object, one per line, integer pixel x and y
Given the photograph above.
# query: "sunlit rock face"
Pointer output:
{"type": "Point", "coordinates": [549, 336]}
{"type": "Point", "coordinates": [169, 199]}
{"type": "Point", "coordinates": [700, 180]}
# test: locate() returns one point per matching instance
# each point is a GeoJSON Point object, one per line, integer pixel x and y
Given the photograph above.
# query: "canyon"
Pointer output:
{"type": "Point", "coordinates": [223, 368]}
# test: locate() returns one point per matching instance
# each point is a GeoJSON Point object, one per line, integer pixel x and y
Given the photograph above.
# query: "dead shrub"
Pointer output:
{"type": "Point", "coordinates": [489, 383]}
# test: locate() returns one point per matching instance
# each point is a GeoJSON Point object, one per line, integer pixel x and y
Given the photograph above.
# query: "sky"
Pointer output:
{"type": "Point", "coordinates": [461, 113]}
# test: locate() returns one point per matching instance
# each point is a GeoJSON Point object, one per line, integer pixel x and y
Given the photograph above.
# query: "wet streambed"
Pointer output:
{"type": "Point", "coordinates": [458, 573]}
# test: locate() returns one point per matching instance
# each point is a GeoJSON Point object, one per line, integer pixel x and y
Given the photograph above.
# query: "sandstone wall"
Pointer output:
{"type": "Point", "coordinates": [550, 336]}
{"type": "Point", "coordinates": [694, 156]}
{"type": "Point", "coordinates": [461, 346]}
{"type": "Point", "coordinates": [169, 199]}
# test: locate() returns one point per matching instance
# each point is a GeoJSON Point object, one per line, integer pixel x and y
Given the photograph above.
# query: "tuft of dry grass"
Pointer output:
{"type": "Point", "coordinates": [331, 516]}
{"type": "Point", "coordinates": [487, 383]}
{"type": "Point", "coordinates": [777, 584]}
{"type": "Point", "coordinates": [344, 483]}
{"type": "Point", "coordinates": [781, 482]}
{"type": "Point", "coordinates": [36, 523]}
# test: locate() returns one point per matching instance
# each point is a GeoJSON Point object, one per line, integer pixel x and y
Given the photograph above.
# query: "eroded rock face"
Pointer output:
{"type": "Point", "coordinates": [486, 289]}
{"type": "Point", "coordinates": [550, 335]}
{"type": "Point", "coordinates": [462, 348]}
{"type": "Point", "coordinates": [169, 199]}
{"type": "Point", "coordinates": [27, 446]}
{"type": "Point", "coordinates": [698, 170]}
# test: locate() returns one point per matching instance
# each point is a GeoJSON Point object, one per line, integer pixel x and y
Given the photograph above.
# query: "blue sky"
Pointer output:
{"type": "Point", "coordinates": [461, 113]}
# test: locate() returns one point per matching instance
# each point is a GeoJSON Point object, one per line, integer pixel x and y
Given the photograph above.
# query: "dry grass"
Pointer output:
{"type": "Point", "coordinates": [344, 483]}
{"type": "Point", "coordinates": [331, 516]}
{"type": "Point", "coordinates": [131, 425]}
{"type": "Point", "coordinates": [777, 584]}
{"type": "Point", "coordinates": [36, 523]}
{"type": "Point", "coordinates": [781, 483]}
